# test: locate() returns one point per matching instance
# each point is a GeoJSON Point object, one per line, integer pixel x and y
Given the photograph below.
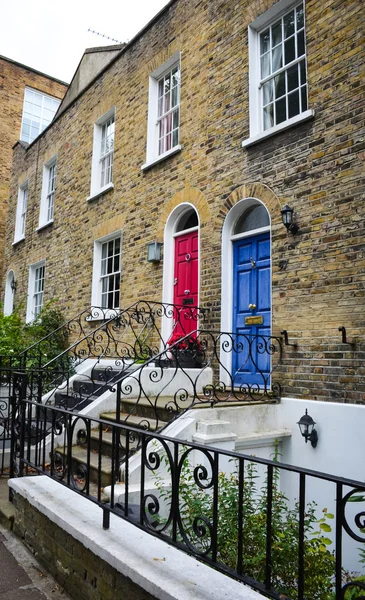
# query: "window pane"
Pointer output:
{"type": "Point", "coordinates": [289, 50]}
{"type": "Point", "coordinates": [269, 116]}
{"type": "Point", "coordinates": [175, 138]}
{"type": "Point", "coordinates": [268, 92]}
{"type": "Point", "coordinates": [293, 79]}
{"type": "Point", "coordinates": [277, 59]}
{"type": "Point", "coordinates": [175, 123]}
{"type": "Point", "coordinates": [174, 97]}
{"type": "Point", "coordinates": [265, 66]}
{"type": "Point", "coordinates": [265, 41]}
{"type": "Point", "coordinates": [276, 33]}
{"type": "Point", "coordinates": [300, 17]}
{"type": "Point", "coordinates": [303, 74]}
{"type": "Point", "coordinates": [289, 24]}
{"type": "Point", "coordinates": [301, 44]}
{"type": "Point", "coordinates": [293, 104]}
{"type": "Point", "coordinates": [167, 84]}
{"type": "Point", "coordinates": [280, 85]}
{"type": "Point", "coordinates": [280, 107]}
{"type": "Point", "coordinates": [303, 92]}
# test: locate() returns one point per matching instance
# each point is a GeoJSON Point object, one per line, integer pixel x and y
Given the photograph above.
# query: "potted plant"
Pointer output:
{"type": "Point", "coordinates": [188, 352]}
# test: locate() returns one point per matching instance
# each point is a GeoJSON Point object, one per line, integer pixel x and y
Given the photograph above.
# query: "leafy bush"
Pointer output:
{"type": "Point", "coordinates": [16, 336]}
{"type": "Point", "coordinates": [319, 562]}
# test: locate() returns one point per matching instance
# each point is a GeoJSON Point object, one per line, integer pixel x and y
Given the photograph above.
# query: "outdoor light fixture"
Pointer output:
{"type": "Point", "coordinates": [13, 285]}
{"type": "Point", "coordinates": [287, 215]}
{"type": "Point", "coordinates": [154, 252]}
{"type": "Point", "coordinates": [306, 426]}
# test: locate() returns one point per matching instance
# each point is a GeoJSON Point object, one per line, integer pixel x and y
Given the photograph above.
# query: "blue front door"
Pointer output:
{"type": "Point", "coordinates": [251, 302]}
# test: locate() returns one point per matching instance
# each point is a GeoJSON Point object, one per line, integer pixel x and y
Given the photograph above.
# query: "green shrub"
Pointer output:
{"type": "Point", "coordinates": [319, 561]}
{"type": "Point", "coordinates": [16, 336]}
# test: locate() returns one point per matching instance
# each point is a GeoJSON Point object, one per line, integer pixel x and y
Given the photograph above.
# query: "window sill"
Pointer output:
{"type": "Point", "coordinates": [16, 242]}
{"type": "Point", "coordinates": [44, 226]}
{"type": "Point", "coordinates": [102, 314]}
{"type": "Point", "coordinates": [158, 159]}
{"type": "Point", "coordinates": [100, 192]}
{"type": "Point", "coordinates": [305, 116]}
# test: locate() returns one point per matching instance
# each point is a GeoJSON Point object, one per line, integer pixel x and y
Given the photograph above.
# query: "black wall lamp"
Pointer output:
{"type": "Point", "coordinates": [154, 252]}
{"type": "Point", "coordinates": [306, 426]}
{"type": "Point", "coordinates": [13, 285]}
{"type": "Point", "coordinates": [287, 215]}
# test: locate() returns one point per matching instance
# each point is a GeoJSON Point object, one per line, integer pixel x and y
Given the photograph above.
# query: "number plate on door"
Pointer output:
{"type": "Point", "coordinates": [258, 320]}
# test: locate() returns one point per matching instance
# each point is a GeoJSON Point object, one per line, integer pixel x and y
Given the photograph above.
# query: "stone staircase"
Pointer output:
{"type": "Point", "coordinates": [94, 455]}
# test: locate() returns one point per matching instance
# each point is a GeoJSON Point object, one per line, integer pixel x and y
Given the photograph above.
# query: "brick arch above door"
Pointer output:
{"type": "Point", "coordinates": [256, 190]}
{"type": "Point", "coordinates": [186, 196]}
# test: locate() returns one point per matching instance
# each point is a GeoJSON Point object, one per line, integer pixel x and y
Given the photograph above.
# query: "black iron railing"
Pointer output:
{"type": "Point", "coordinates": [252, 519]}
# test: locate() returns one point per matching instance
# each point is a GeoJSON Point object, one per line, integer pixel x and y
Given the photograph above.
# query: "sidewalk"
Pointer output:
{"type": "Point", "coordinates": [21, 576]}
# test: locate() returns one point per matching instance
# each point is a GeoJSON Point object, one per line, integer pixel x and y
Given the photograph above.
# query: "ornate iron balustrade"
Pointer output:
{"type": "Point", "coordinates": [196, 370]}
{"type": "Point", "coordinates": [125, 339]}
{"type": "Point", "coordinates": [205, 502]}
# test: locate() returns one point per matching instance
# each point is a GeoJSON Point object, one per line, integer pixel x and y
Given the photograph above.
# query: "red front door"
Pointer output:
{"type": "Point", "coordinates": [186, 281]}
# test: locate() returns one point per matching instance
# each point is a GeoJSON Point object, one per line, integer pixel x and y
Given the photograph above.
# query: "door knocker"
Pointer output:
{"type": "Point", "coordinates": [188, 258]}
{"type": "Point", "coordinates": [253, 263]}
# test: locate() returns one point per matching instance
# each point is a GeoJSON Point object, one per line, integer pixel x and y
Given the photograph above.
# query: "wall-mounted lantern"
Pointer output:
{"type": "Point", "coordinates": [287, 215]}
{"type": "Point", "coordinates": [154, 252]}
{"type": "Point", "coordinates": [306, 426]}
{"type": "Point", "coordinates": [13, 285]}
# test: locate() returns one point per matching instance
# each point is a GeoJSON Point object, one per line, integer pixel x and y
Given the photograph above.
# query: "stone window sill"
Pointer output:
{"type": "Point", "coordinates": [16, 242]}
{"type": "Point", "coordinates": [44, 225]}
{"type": "Point", "coordinates": [255, 139]}
{"type": "Point", "coordinates": [100, 192]}
{"type": "Point", "coordinates": [158, 159]}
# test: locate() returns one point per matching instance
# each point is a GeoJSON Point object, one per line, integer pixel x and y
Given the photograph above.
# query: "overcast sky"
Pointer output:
{"type": "Point", "coordinates": [51, 36]}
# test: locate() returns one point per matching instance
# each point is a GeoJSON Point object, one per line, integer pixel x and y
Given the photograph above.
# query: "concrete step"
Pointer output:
{"type": "Point", "coordinates": [145, 423]}
{"type": "Point", "coordinates": [149, 407]}
{"type": "Point", "coordinates": [79, 457]}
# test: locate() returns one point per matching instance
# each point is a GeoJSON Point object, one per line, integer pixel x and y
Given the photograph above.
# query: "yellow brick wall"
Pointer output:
{"type": "Point", "coordinates": [317, 168]}
{"type": "Point", "coordinates": [13, 80]}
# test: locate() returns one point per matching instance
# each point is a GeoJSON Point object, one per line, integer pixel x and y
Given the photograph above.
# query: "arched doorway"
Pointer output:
{"type": "Point", "coordinates": [9, 293]}
{"type": "Point", "coordinates": [181, 266]}
{"type": "Point", "coordinates": [246, 288]}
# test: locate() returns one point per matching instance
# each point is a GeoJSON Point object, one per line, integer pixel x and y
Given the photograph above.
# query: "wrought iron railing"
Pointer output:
{"type": "Point", "coordinates": [250, 518]}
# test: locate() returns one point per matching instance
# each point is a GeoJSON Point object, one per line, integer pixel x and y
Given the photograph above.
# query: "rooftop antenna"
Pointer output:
{"type": "Point", "coordinates": [104, 36]}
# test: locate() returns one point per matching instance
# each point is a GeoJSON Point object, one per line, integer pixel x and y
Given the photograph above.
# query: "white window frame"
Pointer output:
{"type": "Point", "coordinates": [99, 156]}
{"type": "Point", "coordinates": [96, 291]}
{"type": "Point", "coordinates": [257, 131]}
{"type": "Point", "coordinates": [34, 295]}
{"type": "Point", "coordinates": [46, 209]}
{"type": "Point", "coordinates": [21, 213]}
{"type": "Point", "coordinates": [9, 293]}
{"type": "Point", "coordinates": [152, 153]}
{"type": "Point", "coordinates": [40, 121]}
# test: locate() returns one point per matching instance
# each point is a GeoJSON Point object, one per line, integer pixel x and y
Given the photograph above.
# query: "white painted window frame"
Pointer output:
{"type": "Point", "coordinates": [46, 209]}
{"type": "Point", "coordinates": [96, 189]}
{"type": "Point", "coordinates": [152, 155]}
{"type": "Point", "coordinates": [257, 132]}
{"type": "Point", "coordinates": [9, 294]}
{"type": "Point", "coordinates": [96, 287]}
{"type": "Point", "coordinates": [41, 119]}
{"type": "Point", "coordinates": [21, 213]}
{"type": "Point", "coordinates": [31, 312]}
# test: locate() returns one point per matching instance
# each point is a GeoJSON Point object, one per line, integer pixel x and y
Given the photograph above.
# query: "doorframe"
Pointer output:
{"type": "Point", "coordinates": [9, 294]}
{"type": "Point", "coordinates": [170, 234]}
{"type": "Point", "coordinates": [227, 274]}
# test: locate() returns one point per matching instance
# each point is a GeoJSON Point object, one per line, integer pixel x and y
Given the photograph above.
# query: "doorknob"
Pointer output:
{"type": "Point", "coordinates": [252, 306]}
{"type": "Point", "coordinates": [186, 292]}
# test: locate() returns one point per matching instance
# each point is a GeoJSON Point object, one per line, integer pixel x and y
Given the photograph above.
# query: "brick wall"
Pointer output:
{"type": "Point", "coordinates": [83, 575]}
{"type": "Point", "coordinates": [13, 80]}
{"type": "Point", "coordinates": [317, 168]}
